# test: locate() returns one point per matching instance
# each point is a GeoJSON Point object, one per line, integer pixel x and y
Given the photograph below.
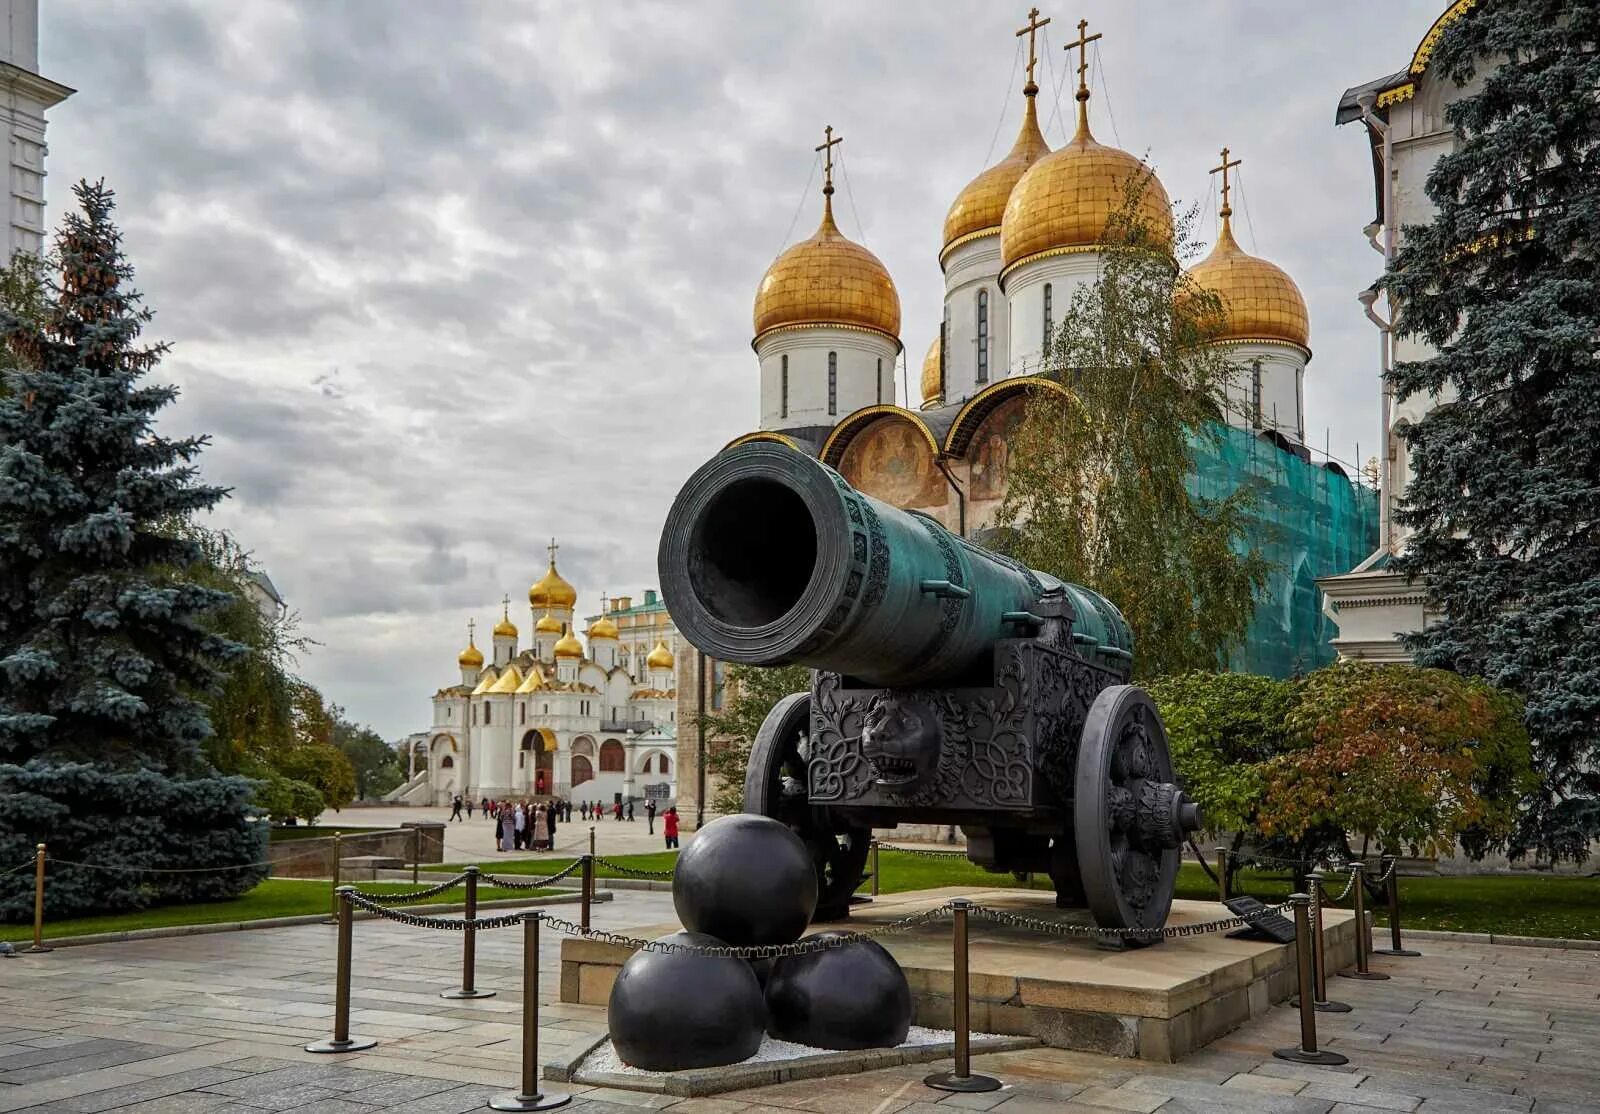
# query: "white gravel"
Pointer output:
{"type": "Point", "coordinates": [604, 1058]}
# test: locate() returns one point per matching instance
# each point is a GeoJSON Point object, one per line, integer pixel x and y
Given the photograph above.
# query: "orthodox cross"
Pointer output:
{"type": "Point", "coordinates": [1083, 56]}
{"type": "Point", "coordinates": [551, 549]}
{"type": "Point", "coordinates": [472, 631]}
{"type": "Point", "coordinates": [505, 606]}
{"type": "Point", "coordinates": [1227, 210]}
{"type": "Point", "coordinates": [829, 142]}
{"type": "Point", "coordinates": [1034, 24]}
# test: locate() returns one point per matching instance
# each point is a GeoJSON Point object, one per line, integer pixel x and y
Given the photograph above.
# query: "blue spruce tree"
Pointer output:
{"type": "Point", "coordinates": [1505, 286]}
{"type": "Point", "coordinates": [104, 647]}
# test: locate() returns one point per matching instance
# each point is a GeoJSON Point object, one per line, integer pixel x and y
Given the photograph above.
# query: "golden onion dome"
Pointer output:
{"type": "Point", "coordinates": [828, 280]}
{"type": "Point", "coordinates": [1065, 200]}
{"type": "Point", "coordinates": [552, 590]}
{"type": "Point", "coordinates": [471, 657]}
{"type": "Point", "coordinates": [505, 628]}
{"type": "Point", "coordinates": [569, 647]}
{"type": "Point", "coordinates": [1259, 299]}
{"type": "Point", "coordinates": [602, 628]}
{"type": "Point", "coordinates": [979, 207]}
{"type": "Point", "coordinates": [549, 624]}
{"type": "Point", "coordinates": [931, 394]}
{"type": "Point", "coordinates": [660, 657]}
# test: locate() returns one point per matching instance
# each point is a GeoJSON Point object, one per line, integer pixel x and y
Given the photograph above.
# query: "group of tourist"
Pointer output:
{"type": "Point", "coordinates": [523, 825]}
{"type": "Point", "coordinates": [594, 810]}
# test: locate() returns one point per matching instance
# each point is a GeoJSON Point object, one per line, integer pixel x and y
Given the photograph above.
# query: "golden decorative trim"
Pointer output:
{"type": "Point", "coordinates": [1397, 94]}
{"type": "Point", "coordinates": [1271, 342]}
{"type": "Point", "coordinates": [985, 401]}
{"type": "Point", "coordinates": [944, 252]}
{"type": "Point", "coordinates": [1048, 253]}
{"type": "Point", "coordinates": [857, 420]}
{"type": "Point", "coordinates": [763, 435]}
{"type": "Point", "coordinates": [765, 333]}
{"type": "Point", "coordinates": [1419, 60]}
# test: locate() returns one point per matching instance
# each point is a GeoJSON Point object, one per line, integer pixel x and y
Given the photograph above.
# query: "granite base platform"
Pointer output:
{"type": "Point", "coordinates": [1156, 1003]}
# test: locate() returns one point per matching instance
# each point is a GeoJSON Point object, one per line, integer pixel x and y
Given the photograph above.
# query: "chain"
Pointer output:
{"type": "Point", "coordinates": [13, 870]}
{"type": "Point", "coordinates": [1394, 861]}
{"type": "Point", "coordinates": [1348, 886]}
{"type": "Point", "coordinates": [767, 951]}
{"type": "Point", "coordinates": [530, 883]}
{"type": "Point", "coordinates": [417, 895]}
{"type": "Point", "coordinates": [446, 924]}
{"type": "Point", "coordinates": [179, 870]}
{"type": "Point", "coordinates": [1085, 931]}
{"type": "Point", "coordinates": [925, 852]}
{"type": "Point", "coordinates": [632, 871]}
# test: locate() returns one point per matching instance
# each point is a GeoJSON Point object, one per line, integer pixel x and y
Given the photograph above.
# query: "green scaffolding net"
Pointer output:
{"type": "Point", "coordinates": [1309, 520]}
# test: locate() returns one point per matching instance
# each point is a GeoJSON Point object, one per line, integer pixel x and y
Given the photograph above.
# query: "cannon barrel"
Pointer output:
{"type": "Point", "coordinates": [769, 557]}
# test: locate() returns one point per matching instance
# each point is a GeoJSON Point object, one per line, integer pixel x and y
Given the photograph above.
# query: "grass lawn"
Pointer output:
{"type": "Point", "coordinates": [276, 897]}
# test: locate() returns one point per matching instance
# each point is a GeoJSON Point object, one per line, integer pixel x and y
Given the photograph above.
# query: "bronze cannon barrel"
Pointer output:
{"type": "Point", "coordinates": [770, 557]}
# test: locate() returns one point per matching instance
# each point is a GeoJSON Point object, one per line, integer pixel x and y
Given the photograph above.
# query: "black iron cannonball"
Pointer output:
{"type": "Point", "coordinates": [745, 879]}
{"type": "Point", "coordinates": [854, 996]}
{"type": "Point", "coordinates": [670, 1011]}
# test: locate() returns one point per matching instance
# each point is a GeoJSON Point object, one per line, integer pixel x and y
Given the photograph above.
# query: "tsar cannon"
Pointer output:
{"type": "Point", "coordinates": [951, 686]}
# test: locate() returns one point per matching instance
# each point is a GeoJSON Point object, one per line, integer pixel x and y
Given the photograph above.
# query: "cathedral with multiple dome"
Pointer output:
{"type": "Point", "coordinates": [1018, 241]}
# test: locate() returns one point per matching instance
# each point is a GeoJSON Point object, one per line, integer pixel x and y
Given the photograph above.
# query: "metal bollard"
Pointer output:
{"type": "Point", "coordinates": [38, 902]}
{"type": "Point", "coordinates": [1392, 892]}
{"type": "Point", "coordinates": [587, 891]}
{"type": "Point", "coordinates": [1319, 952]}
{"type": "Point", "coordinates": [469, 946]}
{"type": "Point", "coordinates": [1222, 874]}
{"type": "Point", "coordinates": [529, 1097]}
{"type": "Point", "coordinates": [1363, 941]}
{"type": "Point", "coordinates": [875, 868]}
{"type": "Point", "coordinates": [333, 895]}
{"type": "Point", "coordinates": [342, 1041]}
{"type": "Point", "coordinates": [591, 839]}
{"type": "Point", "coordinates": [961, 1080]}
{"type": "Point", "coordinates": [1307, 1053]}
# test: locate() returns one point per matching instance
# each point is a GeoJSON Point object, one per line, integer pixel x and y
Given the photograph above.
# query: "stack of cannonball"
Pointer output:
{"type": "Point", "coordinates": [748, 881]}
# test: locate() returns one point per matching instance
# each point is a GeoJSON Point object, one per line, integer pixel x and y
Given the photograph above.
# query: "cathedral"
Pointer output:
{"type": "Point", "coordinates": [591, 719]}
{"type": "Point", "coordinates": [1017, 241]}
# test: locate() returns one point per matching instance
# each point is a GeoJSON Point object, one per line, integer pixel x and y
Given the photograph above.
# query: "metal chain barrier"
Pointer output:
{"type": "Point", "coordinates": [925, 852]}
{"type": "Point", "coordinates": [1095, 932]}
{"type": "Point", "coordinates": [1348, 886]}
{"type": "Point", "coordinates": [415, 895]}
{"type": "Point", "coordinates": [445, 924]}
{"type": "Point", "coordinates": [531, 883]}
{"type": "Point", "coordinates": [633, 871]}
{"type": "Point", "coordinates": [20, 866]}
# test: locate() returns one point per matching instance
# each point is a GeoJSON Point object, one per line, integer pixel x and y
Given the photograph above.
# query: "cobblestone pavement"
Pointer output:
{"type": "Point", "coordinates": [215, 1023]}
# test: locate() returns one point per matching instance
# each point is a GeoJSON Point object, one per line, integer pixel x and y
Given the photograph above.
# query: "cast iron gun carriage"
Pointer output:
{"type": "Point", "coordinates": [951, 686]}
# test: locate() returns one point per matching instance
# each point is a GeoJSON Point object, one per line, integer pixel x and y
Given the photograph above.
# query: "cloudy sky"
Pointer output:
{"type": "Point", "coordinates": [445, 279]}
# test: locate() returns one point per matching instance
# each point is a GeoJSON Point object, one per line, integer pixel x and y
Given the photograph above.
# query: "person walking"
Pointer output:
{"type": "Point", "coordinates": [650, 817]}
{"type": "Point", "coordinates": [469, 808]}
{"type": "Point", "coordinates": [555, 815]}
{"type": "Point", "coordinates": [630, 810]}
{"type": "Point", "coordinates": [455, 807]}
{"type": "Point", "coordinates": [502, 830]}
{"type": "Point", "coordinates": [616, 810]}
{"type": "Point", "coordinates": [669, 827]}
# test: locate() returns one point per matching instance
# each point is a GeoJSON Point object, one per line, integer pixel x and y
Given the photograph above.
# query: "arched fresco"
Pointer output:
{"type": "Point", "coordinates": [990, 452]}
{"type": "Point", "coordinates": [890, 460]}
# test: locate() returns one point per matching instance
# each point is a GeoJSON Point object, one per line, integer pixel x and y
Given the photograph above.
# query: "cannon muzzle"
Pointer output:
{"type": "Point", "coordinates": [769, 557]}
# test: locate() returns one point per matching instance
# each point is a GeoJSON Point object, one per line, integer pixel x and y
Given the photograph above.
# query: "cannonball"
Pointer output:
{"type": "Point", "coordinates": [670, 1011]}
{"type": "Point", "coordinates": [745, 879]}
{"type": "Point", "coordinates": [853, 996]}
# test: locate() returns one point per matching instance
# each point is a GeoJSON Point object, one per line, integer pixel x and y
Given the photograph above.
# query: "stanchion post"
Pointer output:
{"type": "Point", "coordinates": [1222, 874]}
{"type": "Point", "coordinates": [961, 1079]}
{"type": "Point", "coordinates": [1392, 892]}
{"type": "Point", "coordinates": [587, 890]}
{"type": "Point", "coordinates": [1358, 886]}
{"type": "Point", "coordinates": [530, 1097]}
{"type": "Point", "coordinates": [38, 901]}
{"type": "Point", "coordinates": [875, 868]}
{"type": "Point", "coordinates": [469, 945]}
{"type": "Point", "coordinates": [342, 1041]}
{"type": "Point", "coordinates": [1307, 1053]}
{"type": "Point", "coordinates": [591, 839]}
{"type": "Point", "coordinates": [333, 894]}
{"type": "Point", "coordinates": [1319, 951]}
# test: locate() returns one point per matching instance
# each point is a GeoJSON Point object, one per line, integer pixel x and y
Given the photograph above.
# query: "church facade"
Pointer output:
{"type": "Point", "coordinates": [1017, 242]}
{"type": "Point", "coordinates": [592, 719]}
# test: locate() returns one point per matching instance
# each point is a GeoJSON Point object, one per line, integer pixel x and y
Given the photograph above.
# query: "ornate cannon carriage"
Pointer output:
{"type": "Point", "coordinates": [951, 685]}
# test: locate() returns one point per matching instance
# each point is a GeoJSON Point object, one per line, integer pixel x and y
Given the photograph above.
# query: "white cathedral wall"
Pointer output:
{"type": "Point", "coordinates": [864, 375]}
{"type": "Point", "coordinates": [1025, 297]}
{"type": "Point", "coordinates": [491, 747]}
{"type": "Point", "coordinates": [972, 267]}
{"type": "Point", "coordinates": [1282, 387]}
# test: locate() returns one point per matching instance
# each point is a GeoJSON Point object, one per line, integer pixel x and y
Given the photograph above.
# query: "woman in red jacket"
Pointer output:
{"type": "Point", "coordinates": [669, 825]}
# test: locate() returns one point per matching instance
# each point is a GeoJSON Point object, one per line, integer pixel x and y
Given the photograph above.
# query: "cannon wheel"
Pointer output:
{"type": "Point", "coordinates": [1127, 878]}
{"type": "Point", "coordinates": [775, 785]}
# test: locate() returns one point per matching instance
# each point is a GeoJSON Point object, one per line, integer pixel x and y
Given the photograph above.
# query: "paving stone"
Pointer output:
{"type": "Point", "coordinates": [166, 1087]}
{"type": "Point", "coordinates": [1117, 1099]}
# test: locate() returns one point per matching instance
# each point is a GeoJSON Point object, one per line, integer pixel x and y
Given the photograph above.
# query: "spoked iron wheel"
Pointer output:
{"type": "Point", "coordinates": [1129, 818]}
{"type": "Point", "coordinates": [775, 785]}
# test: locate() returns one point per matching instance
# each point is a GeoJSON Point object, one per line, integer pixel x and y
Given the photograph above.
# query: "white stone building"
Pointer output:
{"type": "Point", "coordinates": [25, 94]}
{"type": "Point", "coordinates": [584, 720]}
